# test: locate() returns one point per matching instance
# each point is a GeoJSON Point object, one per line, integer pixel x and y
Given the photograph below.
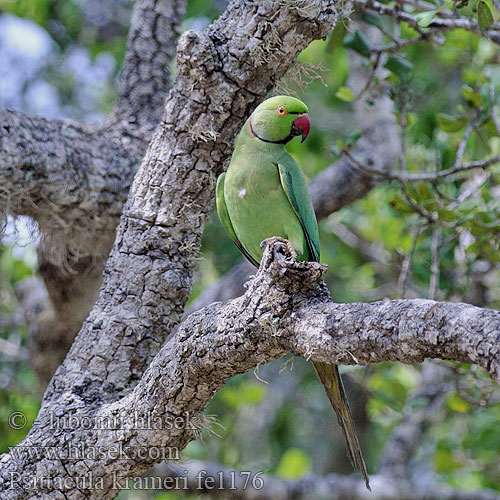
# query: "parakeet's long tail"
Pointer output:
{"type": "Point", "coordinates": [334, 388]}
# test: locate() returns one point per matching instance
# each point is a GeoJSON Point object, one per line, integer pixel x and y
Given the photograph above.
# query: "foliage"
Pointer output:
{"type": "Point", "coordinates": [17, 381]}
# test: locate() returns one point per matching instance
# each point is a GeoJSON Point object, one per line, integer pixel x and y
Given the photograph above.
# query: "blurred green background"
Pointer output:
{"type": "Point", "coordinates": [61, 58]}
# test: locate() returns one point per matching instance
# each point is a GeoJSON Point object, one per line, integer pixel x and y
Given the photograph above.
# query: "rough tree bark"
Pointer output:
{"type": "Point", "coordinates": [117, 370]}
{"type": "Point", "coordinates": [73, 180]}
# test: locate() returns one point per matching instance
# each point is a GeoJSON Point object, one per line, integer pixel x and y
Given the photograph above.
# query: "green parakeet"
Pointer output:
{"type": "Point", "coordinates": [264, 194]}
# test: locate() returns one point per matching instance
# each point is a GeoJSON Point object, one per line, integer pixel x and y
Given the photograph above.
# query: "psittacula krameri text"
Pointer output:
{"type": "Point", "coordinates": [264, 194]}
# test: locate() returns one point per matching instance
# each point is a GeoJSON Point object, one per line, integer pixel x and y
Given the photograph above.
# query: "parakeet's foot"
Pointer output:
{"type": "Point", "coordinates": [284, 245]}
{"type": "Point", "coordinates": [279, 258]}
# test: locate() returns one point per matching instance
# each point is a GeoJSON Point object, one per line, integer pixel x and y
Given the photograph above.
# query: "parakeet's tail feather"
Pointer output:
{"type": "Point", "coordinates": [334, 388]}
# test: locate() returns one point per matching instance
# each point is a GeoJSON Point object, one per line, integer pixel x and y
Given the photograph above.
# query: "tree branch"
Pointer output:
{"type": "Point", "coordinates": [200, 477]}
{"type": "Point", "coordinates": [114, 369]}
{"type": "Point", "coordinates": [73, 181]}
{"type": "Point", "coordinates": [145, 75]}
{"type": "Point", "coordinates": [437, 25]}
{"type": "Point", "coordinates": [147, 277]}
{"type": "Point", "coordinates": [287, 308]}
{"type": "Point", "coordinates": [423, 176]}
{"type": "Point", "coordinates": [74, 178]}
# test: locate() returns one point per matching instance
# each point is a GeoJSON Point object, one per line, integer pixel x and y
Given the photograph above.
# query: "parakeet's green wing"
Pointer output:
{"type": "Point", "coordinates": [295, 187]}
{"type": "Point", "coordinates": [226, 221]}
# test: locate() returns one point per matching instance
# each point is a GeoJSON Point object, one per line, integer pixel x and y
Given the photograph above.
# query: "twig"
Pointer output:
{"type": "Point", "coordinates": [424, 176]}
{"type": "Point", "coordinates": [473, 188]}
{"type": "Point", "coordinates": [432, 218]}
{"type": "Point", "coordinates": [493, 114]}
{"type": "Point", "coordinates": [402, 124]}
{"type": "Point", "coordinates": [434, 280]}
{"type": "Point", "coordinates": [440, 23]}
{"type": "Point", "coordinates": [371, 76]}
{"type": "Point", "coordinates": [443, 196]}
{"type": "Point", "coordinates": [405, 267]}
{"type": "Point", "coordinates": [425, 6]}
{"type": "Point", "coordinates": [461, 147]}
{"type": "Point", "coordinates": [401, 44]}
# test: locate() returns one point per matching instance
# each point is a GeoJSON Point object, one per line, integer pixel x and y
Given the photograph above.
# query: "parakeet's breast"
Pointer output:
{"type": "Point", "coordinates": [257, 204]}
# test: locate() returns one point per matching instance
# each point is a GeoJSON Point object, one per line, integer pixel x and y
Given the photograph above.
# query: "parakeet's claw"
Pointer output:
{"type": "Point", "coordinates": [284, 247]}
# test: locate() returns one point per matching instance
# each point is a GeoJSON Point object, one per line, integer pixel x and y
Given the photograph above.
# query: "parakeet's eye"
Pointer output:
{"type": "Point", "coordinates": [280, 111]}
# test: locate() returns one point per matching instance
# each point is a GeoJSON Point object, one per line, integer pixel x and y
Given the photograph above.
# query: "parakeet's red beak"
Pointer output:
{"type": "Point", "coordinates": [301, 126]}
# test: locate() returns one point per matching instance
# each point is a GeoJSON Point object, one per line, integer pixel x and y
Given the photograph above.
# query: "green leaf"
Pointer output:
{"type": "Point", "coordinates": [359, 43]}
{"type": "Point", "coordinates": [425, 192]}
{"type": "Point", "coordinates": [451, 123]}
{"type": "Point", "coordinates": [400, 204]}
{"type": "Point", "coordinates": [402, 68]}
{"type": "Point", "coordinates": [294, 464]}
{"type": "Point", "coordinates": [484, 15]}
{"type": "Point", "coordinates": [424, 19]}
{"type": "Point", "coordinates": [445, 461]}
{"type": "Point", "coordinates": [447, 215]}
{"type": "Point", "coordinates": [456, 403]}
{"type": "Point", "coordinates": [372, 19]}
{"type": "Point", "coordinates": [473, 77]}
{"type": "Point", "coordinates": [345, 94]}
{"type": "Point", "coordinates": [430, 205]}
{"type": "Point", "coordinates": [337, 36]}
{"type": "Point", "coordinates": [472, 96]}
{"type": "Point", "coordinates": [485, 217]}
{"type": "Point", "coordinates": [489, 126]}
{"type": "Point", "coordinates": [473, 248]}
{"type": "Point", "coordinates": [353, 138]}
{"type": "Point", "coordinates": [483, 224]}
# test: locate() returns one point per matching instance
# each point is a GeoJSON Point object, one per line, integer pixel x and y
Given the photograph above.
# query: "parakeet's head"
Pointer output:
{"type": "Point", "coordinates": [279, 119]}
